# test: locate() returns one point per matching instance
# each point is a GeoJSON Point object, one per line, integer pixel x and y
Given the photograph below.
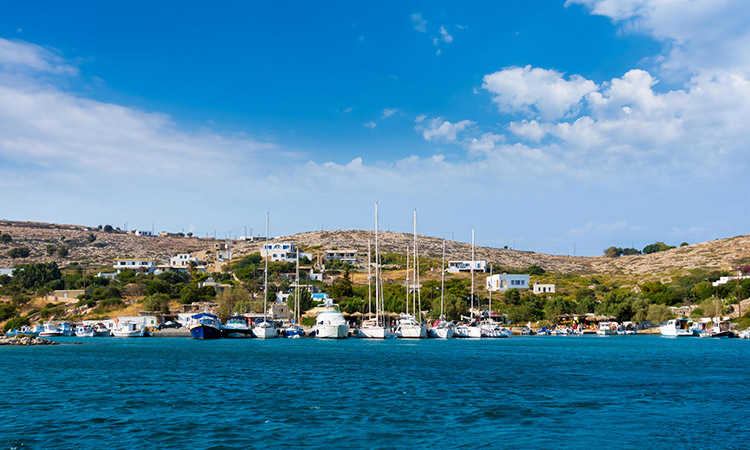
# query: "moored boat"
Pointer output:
{"type": "Point", "coordinates": [677, 328]}
{"type": "Point", "coordinates": [606, 328]}
{"type": "Point", "coordinates": [205, 326]}
{"type": "Point", "coordinates": [49, 330]}
{"type": "Point", "coordinates": [410, 328]}
{"type": "Point", "coordinates": [441, 329]}
{"type": "Point", "coordinates": [101, 331]}
{"type": "Point", "coordinates": [265, 329]}
{"type": "Point", "coordinates": [330, 323]}
{"type": "Point", "coordinates": [235, 327]}
{"type": "Point", "coordinates": [65, 329]}
{"type": "Point", "coordinates": [84, 331]}
{"type": "Point", "coordinates": [129, 329]}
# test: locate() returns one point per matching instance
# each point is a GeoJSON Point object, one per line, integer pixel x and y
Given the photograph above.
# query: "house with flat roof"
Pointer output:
{"type": "Point", "coordinates": [503, 282]}
{"type": "Point", "coordinates": [282, 251]}
{"type": "Point", "coordinates": [139, 265]}
{"type": "Point", "coordinates": [346, 255]}
{"type": "Point", "coordinates": [465, 266]}
{"type": "Point", "coordinates": [543, 288]}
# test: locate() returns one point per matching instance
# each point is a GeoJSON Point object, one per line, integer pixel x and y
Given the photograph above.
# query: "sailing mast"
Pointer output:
{"type": "Point", "coordinates": [417, 290]}
{"type": "Point", "coordinates": [407, 279]}
{"type": "Point", "coordinates": [296, 295]}
{"type": "Point", "coordinates": [471, 311]}
{"type": "Point", "coordinates": [265, 272]}
{"type": "Point", "coordinates": [490, 289]}
{"type": "Point", "coordinates": [369, 281]}
{"type": "Point", "coordinates": [377, 268]}
{"type": "Point", "coordinates": [442, 285]}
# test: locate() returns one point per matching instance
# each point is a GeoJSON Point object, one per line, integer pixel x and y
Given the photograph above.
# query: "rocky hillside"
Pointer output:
{"type": "Point", "coordinates": [105, 247]}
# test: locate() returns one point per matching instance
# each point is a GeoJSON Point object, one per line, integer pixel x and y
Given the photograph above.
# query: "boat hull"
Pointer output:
{"type": "Point", "coordinates": [468, 332]}
{"type": "Point", "coordinates": [672, 332]}
{"type": "Point", "coordinates": [441, 333]}
{"type": "Point", "coordinates": [127, 333]}
{"type": "Point", "coordinates": [412, 332]}
{"type": "Point", "coordinates": [265, 332]}
{"type": "Point", "coordinates": [340, 331]}
{"type": "Point", "coordinates": [205, 332]}
{"type": "Point", "coordinates": [235, 333]}
{"type": "Point", "coordinates": [373, 332]}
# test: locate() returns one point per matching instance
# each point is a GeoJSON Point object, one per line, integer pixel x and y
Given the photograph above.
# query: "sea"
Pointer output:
{"type": "Point", "coordinates": [522, 392]}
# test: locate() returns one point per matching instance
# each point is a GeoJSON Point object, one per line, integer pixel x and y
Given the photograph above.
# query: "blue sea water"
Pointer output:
{"type": "Point", "coordinates": [523, 392]}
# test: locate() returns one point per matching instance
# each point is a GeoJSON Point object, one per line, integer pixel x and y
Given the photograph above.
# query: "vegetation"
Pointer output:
{"type": "Point", "coordinates": [19, 252]}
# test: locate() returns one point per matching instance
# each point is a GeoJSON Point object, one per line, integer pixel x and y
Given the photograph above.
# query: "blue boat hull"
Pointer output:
{"type": "Point", "coordinates": [205, 332]}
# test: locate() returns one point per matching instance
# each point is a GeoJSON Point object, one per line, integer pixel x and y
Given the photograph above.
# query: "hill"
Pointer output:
{"type": "Point", "coordinates": [43, 240]}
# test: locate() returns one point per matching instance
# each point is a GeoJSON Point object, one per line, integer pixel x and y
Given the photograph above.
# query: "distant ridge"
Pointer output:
{"type": "Point", "coordinates": [37, 236]}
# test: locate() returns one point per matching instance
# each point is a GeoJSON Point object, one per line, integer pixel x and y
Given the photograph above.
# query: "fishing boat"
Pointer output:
{"type": "Point", "coordinates": [374, 327]}
{"type": "Point", "coordinates": [721, 329]}
{"type": "Point", "coordinates": [676, 328]}
{"type": "Point", "coordinates": [101, 331]}
{"type": "Point", "coordinates": [84, 331]}
{"type": "Point", "coordinates": [606, 328]}
{"type": "Point", "coordinates": [65, 329]}
{"type": "Point", "coordinates": [442, 329]}
{"type": "Point", "coordinates": [264, 329]}
{"type": "Point", "coordinates": [25, 330]}
{"type": "Point", "coordinates": [205, 326]}
{"type": "Point", "coordinates": [235, 327]}
{"type": "Point", "coordinates": [49, 330]}
{"type": "Point", "coordinates": [129, 329]}
{"type": "Point", "coordinates": [330, 323]}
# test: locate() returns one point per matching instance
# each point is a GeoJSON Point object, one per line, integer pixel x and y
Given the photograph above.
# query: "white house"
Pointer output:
{"type": "Point", "coordinates": [182, 260]}
{"type": "Point", "coordinates": [6, 271]}
{"type": "Point", "coordinates": [544, 288]}
{"type": "Point", "coordinates": [465, 266]}
{"type": "Point", "coordinates": [106, 275]}
{"type": "Point", "coordinates": [346, 255]}
{"type": "Point", "coordinates": [223, 250]}
{"type": "Point", "coordinates": [148, 233]}
{"type": "Point", "coordinates": [282, 251]}
{"type": "Point", "coordinates": [503, 282]}
{"type": "Point", "coordinates": [139, 265]}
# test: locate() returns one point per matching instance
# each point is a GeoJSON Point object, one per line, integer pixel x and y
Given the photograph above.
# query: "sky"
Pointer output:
{"type": "Point", "coordinates": [553, 126]}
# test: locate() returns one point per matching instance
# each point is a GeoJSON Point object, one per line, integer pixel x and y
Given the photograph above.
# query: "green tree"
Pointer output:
{"type": "Point", "coordinates": [229, 299]}
{"type": "Point", "coordinates": [108, 228]}
{"type": "Point", "coordinates": [512, 297]}
{"type": "Point", "coordinates": [656, 247]}
{"type": "Point", "coordinates": [5, 238]}
{"type": "Point", "coordinates": [613, 252]}
{"type": "Point", "coordinates": [19, 252]}
{"type": "Point", "coordinates": [16, 322]}
{"type": "Point", "coordinates": [658, 313]}
{"type": "Point", "coordinates": [157, 302]}
{"type": "Point", "coordinates": [62, 252]}
{"type": "Point", "coordinates": [535, 270]}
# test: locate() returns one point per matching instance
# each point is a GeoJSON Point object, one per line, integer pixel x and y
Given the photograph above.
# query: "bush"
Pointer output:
{"type": "Point", "coordinates": [62, 252]}
{"type": "Point", "coordinates": [613, 252]}
{"type": "Point", "coordinates": [535, 270]}
{"type": "Point", "coordinates": [20, 299]}
{"type": "Point", "coordinates": [656, 247]}
{"type": "Point", "coordinates": [19, 252]}
{"type": "Point", "coordinates": [16, 322]}
{"type": "Point", "coordinates": [91, 237]}
{"type": "Point", "coordinates": [5, 238]}
{"type": "Point", "coordinates": [7, 311]}
{"type": "Point", "coordinates": [108, 228]}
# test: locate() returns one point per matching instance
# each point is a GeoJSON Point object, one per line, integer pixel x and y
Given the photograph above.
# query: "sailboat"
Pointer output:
{"type": "Point", "coordinates": [409, 326]}
{"type": "Point", "coordinates": [374, 328]}
{"type": "Point", "coordinates": [442, 329]}
{"type": "Point", "coordinates": [265, 329]}
{"type": "Point", "coordinates": [491, 328]}
{"type": "Point", "coordinates": [470, 330]}
{"type": "Point", "coordinates": [294, 331]}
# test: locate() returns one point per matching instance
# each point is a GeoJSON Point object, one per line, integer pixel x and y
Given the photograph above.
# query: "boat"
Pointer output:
{"type": "Point", "coordinates": [491, 329]}
{"type": "Point", "coordinates": [49, 330]}
{"type": "Point", "coordinates": [470, 328]}
{"type": "Point", "coordinates": [626, 328]}
{"type": "Point", "coordinates": [409, 326]}
{"type": "Point", "coordinates": [65, 329]}
{"type": "Point", "coordinates": [235, 327]}
{"type": "Point", "coordinates": [676, 328]}
{"type": "Point", "coordinates": [101, 331]}
{"type": "Point", "coordinates": [205, 326]}
{"type": "Point", "coordinates": [294, 331]}
{"type": "Point", "coordinates": [84, 331]}
{"type": "Point", "coordinates": [606, 328]}
{"type": "Point", "coordinates": [374, 327]}
{"type": "Point", "coordinates": [721, 329]}
{"type": "Point", "coordinates": [442, 329]}
{"type": "Point", "coordinates": [330, 323]}
{"type": "Point", "coordinates": [25, 330]}
{"type": "Point", "coordinates": [745, 334]}
{"type": "Point", "coordinates": [129, 329]}
{"type": "Point", "coordinates": [264, 329]}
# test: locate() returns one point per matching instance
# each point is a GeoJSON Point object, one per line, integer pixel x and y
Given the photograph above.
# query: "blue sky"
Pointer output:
{"type": "Point", "coordinates": [547, 124]}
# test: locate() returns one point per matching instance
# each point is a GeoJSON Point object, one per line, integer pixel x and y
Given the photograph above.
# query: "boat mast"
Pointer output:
{"type": "Point", "coordinates": [407, 279]}
{"type": "Point", "coordinates": [377, 269]}
{"type": "Point", "coordinates": [471, 310]}
{"type": "Point", "coordinates": [296, 294]}
{"type": "Point", "coordinates": [265, 271]}
{"type": "Point", "coordinates": [369, 280]}
{"type": "Point", "coordinates": [417, 290]}
{"type": "Point", "coordinates": [490, 289]}
{"type": "Point", "coordinates": [442, 285]}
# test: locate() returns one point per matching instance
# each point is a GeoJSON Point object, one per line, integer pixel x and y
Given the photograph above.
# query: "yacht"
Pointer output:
{"type": "Point", "coordinates": [722, 329]}
{"type": "Point", "coordinates": [374, 327]}
{"type": "Point", "coordinates": [330, 323]}
{"type": "Point", "coordinates": [205, 326]}
{"type": "Point", "coordinates": [409, 328]}
{"type": "Point", "coordinates": [49, 330]}
{"type": "Point", "coordinates": [294, 331]}
{"type": "Point", "coordinates": [468, 331]}
{"type": "Point", "coordinates": [84, 331]}
{"type": "Point", "coordinates": [491, 329]}
{"type": "Point", "coordinates": [235, 327]}
{"type": "Point", "coordinates": [442, 329]}
{"type": "Point", "coordinates": [129, 329]}
{"type": "Point", "coordinates": [265, 329]}
{"type": "Point", "coordinates": [677, 328]}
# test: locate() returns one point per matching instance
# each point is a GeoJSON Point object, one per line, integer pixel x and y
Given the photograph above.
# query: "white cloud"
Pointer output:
{"type": "Point", "coordinates": [371, 124]}
{"type": "Point", "coordinates": [348, 110]}
{"type": "Point", "coordinates": [388, 112]}
{"type": "Point", "coordinates": [443, 130]}
{"type": "Point", "coordinates": [420, 24]}
{"type": "Point", "coordinates": [530, 130]}
{"type": "Point", "coordinates": [19, 55]}
{"type": "Point", "coordinates": [447, 38]}
{"type": "Point", "coordinates": [484, 143]}
{"type": "Point", "coordinates": [536, 91]}
{"type": "Point", "coordinates": [420, 118]}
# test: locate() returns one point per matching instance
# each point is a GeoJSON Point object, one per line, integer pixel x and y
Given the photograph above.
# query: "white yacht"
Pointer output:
{"type": "Point", "coordinates": [468, 331]}
{"type": "Point", "coordinates": [49, 329]}
{"type": "Point", "coordinates": [129, 329]}
{"type": "Point", "coordinates": [492, 329]}
{"type": "Point", "coordinates": [409, 328]}
{"type": "Point", "coordinates": [442, 329]}
{"type": "Point", "coordinates": [265, 329]}
{"type": "Point", "coordinates": [374, 327]}
{"type": "Point", "coordinates": [330, 323]}
{"type": "Point", "coordinates": [677, 328]}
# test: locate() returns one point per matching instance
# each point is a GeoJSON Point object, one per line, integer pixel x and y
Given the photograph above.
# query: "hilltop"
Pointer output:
{"type": "Point", "coordinates": [105, 247]}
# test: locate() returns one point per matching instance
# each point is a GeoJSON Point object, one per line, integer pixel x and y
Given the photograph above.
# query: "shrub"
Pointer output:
{"type": "Point", "coordinates": [5, 238]}
{"type": "Point", "coordinates": [7, 311]}
{"type": "Point", "coordinates": [62, 252]}
{"type": "Point", "coordinates": [19, 252]}
{"type": "Point", "coordinates": [16, 322]}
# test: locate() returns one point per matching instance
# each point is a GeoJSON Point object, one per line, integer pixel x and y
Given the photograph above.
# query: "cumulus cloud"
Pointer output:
{"type": "Point", "coordinates": [420, 24]}
{"type": "Point", "coordinates": [19, 55]}
{"type": "Point", "coordinates": [439, 130]}
{"type": "Point", "coordinates": [446, 37]}
{"type": "Point", "coordinates": [535, 91]}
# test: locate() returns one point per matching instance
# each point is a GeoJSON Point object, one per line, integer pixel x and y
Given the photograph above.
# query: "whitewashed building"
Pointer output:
{"type": "Point", "coordinates": [282, 251]}
{"type": "Point", "coordinates": [465, 266]}
{"type": "Point", "coordinates": [182, 260]}
{"type": "Point", "coordinates": [139, 265]}
{"type": "Point", "coordinates": [346, 255]}
{"type": "Point", "coordinates": [148, 233]}
{"type": "Point", "coordinates": [543, 288]}
{"type": "Point", "coordinates": [503, 282]}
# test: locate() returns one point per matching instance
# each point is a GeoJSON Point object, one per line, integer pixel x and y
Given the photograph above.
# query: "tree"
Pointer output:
{"type": "Point", "coordinates": [16, 322]}
{"type": "Point", "coordinates": [62, 252]}
{"type": "Point", "coordinates": [630, 251]}
{"type": "Point", "coordinates": [5, 238]}
{"type": "Point", "coordinates": [19, 252]}
{"type": "Point", "coordinates": [535, 270]}
{"type": "Point", "coordinates": [656, 247]}
{"type": "Point", "coordinates": [684, 244]}
{"type": "Point", "coordinates": [658, 313]}
{"type": "Point", "coordinates": [157, 302]}
{"type": "Point", "coordinates": [51, 249]}
{"type": "Point", "coordinates": [229, 299]}
{"type": "Point", "coordinates": [190, 234]}
{"type": "Point", "coordinates": [108, 228]}
{"type": "Point", "coordinates": [91, 237]}
{"type": "Point", "coordinates": [512, 297]}
{"type": "Point", "coordinates": [612, 252]}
